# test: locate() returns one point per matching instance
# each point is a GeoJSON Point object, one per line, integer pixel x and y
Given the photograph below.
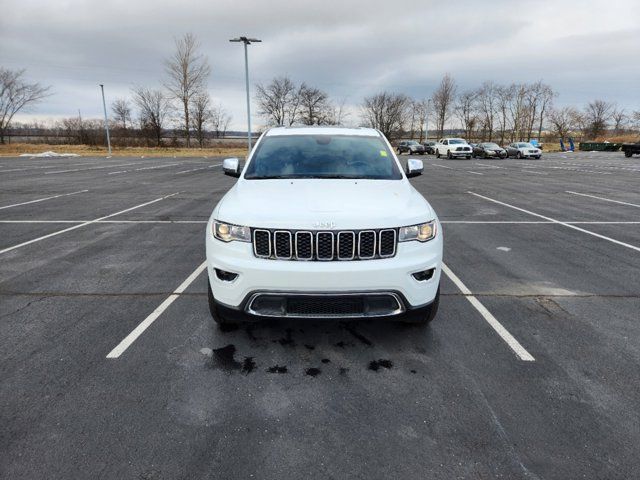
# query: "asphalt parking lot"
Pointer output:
{"type": "Point", "coordinates": [529, 371]}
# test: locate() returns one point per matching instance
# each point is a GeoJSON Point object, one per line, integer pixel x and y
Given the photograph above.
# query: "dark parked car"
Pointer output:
{"type": "Point", "coordinates": [488, 149]}
{"type": "Point", "coordinates": [630, 149]}
{"type": "Point", "coordinates": [429, 147]}
{"type": "Point", "coordinates": [411, 147]}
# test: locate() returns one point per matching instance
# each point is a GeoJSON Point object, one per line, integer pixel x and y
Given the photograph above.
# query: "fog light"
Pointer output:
{"type": "Point", "coordinates": [424, 275]}
{"type": "Point", "coordinates": [225, 276]}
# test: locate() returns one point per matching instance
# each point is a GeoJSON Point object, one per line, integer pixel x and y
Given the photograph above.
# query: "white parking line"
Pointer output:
{"type": "Point", "coordinates": [199, 168]}
{"type": "Point", "coordinates": [568, 225]}
{"type": "Point", "coordinates": [517, 348]}
{"type": "Point", "coordinates": [120, 171]}
{"type": "Point", "coordinates": [158, 166]}
{"type": "Point", "coordinates": [153, 316]}
{"type": "Point", "coordinates": [8, 249]}
{"type": "Point", "coordinates": [442, 166]}
{"type": "Point", "coordinates": [475, 173]}
{"type": "Point", "coordinates": [92, 168]}
{"type": "Point", "coordinates": [603, 198]}
{"type": "Point", "coordinates": [43, 199]}
{"type": "Point", "coordinates": [489, 166]}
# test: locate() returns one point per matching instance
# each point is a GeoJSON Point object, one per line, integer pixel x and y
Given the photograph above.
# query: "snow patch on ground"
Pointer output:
{"type": "Point", "coordinates": [49, 154]}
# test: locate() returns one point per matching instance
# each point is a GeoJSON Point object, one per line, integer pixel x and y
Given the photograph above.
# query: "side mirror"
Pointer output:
{"type": "Point", "coordinates": [231, 167]}
{"type": "Point", "coordinates": [414, 167]}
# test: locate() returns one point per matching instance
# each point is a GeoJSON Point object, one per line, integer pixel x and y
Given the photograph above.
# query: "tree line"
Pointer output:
{"type": "Point", "coordinates": [183, 104]}
{"type": "Point", "coordinates": [489, 112]}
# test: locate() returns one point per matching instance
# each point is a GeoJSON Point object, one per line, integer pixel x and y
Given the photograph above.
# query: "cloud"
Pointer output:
{"type": "Point", "coordinates": [584, 49]}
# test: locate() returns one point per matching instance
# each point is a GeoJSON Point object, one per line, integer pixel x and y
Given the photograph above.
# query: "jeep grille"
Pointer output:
{"type": "Point", "coordinates": [324, 245]}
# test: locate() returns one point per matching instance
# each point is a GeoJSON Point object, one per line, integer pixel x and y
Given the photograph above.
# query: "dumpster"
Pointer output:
{"type": "Point", "coordinates": [600, 146]}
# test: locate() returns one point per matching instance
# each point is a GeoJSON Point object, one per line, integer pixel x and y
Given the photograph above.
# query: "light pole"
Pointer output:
{"type": "Point", "coordinates": [106, 120]}
{"type": "Point", "coordinates": [247, 41]}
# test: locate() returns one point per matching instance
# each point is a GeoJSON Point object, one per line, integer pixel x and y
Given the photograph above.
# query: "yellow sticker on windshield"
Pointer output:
{"type": "Point", "coordinates": [383, 153]}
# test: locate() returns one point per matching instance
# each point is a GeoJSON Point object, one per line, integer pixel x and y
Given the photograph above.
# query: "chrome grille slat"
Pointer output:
{"type": "Point", "coordinates": [258, 243]}
{"type": "Point", "coordinates": [321, 246]}
{"type": "Point", "coordinates": [309, 245]}
{"type": "Point", "coordinates": [282, 251]}
{"type": "Point", "coordinates": [300, 245]}
{"type": "Point", "coordinates": [383, 240]}
{"type": "Point", "coordinates": [366, 236]}
{"type": "Point", "coordinates": [353, 245]}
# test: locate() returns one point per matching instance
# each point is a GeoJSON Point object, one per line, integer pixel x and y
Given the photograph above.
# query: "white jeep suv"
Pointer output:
{"type": "Point", "coordinates": [323, 223]}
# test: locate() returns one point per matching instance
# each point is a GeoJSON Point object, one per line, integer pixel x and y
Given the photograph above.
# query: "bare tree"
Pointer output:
{"type": "Point", "coordinates": [636, 119]}
{"type": "Point", "coordinates": [598, 113]}
{"type": "Point", "coordinates": [562, 121]}
{"type": "Point", "coordinates": [486, 99]}
{"type": "Point", "coordinates": [187, 72]}
{"type": "Point", "coordinates": [220, 120]}
{"type": "Point", "coordinates": [17, 94]}
{"type": "Point", "coordinates": [465, 111]}
{"type": "Point", "coordinates": [315, 108]}
{"type": "Point", "coordinates": [419, 116]}
{"type": "Point", "coordinates": [518, 110]}
{"type": "Point", "coordinates": [278, 101]}
{"type": "Point", "coordinates": [443, 99]}
{"type": "Point", "coordinates": [121, 112]}
{"type": "Point", "coordinates": [620, 119]}
{"type": "Point", "coordinates": [201, 115]}
{"type": "Point", "coordinates": [546, 104]}
{"type": "Point", "coordinates": [504, 97]}
{"type": "Point", "coordinates": [387, 112]}
{"type": "Point", "coordinates": [154, 107]}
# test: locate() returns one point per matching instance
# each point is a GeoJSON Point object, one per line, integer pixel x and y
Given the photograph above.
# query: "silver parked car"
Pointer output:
{"type": "Point", "coordinates": [523, 150]}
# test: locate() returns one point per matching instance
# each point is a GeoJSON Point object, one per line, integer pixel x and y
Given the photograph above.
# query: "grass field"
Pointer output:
{"type": "Point", "coordinates": [13, 149]}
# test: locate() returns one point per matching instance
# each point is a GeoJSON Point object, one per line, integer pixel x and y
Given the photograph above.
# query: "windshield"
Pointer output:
{"type": "Point", "coordinates": [413, 142]}
{"type": "Point", "coordinates": [322, 156]}
{"type": "Point", "coordinates": [491, 145]}
{"type": "Point", "coordinates": [455, 141]}
{"type": "Point", "coordinates": [525, 145]}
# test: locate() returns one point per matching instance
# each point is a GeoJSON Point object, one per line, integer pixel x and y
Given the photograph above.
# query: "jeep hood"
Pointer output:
{"type": "Point", "coordinates": [318, 204]}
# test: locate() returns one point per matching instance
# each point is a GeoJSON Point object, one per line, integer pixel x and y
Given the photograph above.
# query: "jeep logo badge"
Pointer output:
{"type": "Point", "coordinates": [328, 225]}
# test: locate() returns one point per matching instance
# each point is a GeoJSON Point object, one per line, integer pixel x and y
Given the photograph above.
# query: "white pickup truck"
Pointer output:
{"type": "Point", "coordinates": [453, 148]}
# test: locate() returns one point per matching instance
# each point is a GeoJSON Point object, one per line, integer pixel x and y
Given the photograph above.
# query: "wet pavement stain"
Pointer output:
{"type": "Point", "coordinates": [248, 365]}
{"type": "Point", "coordinates": [223, 358]}
{"type": "Point", "coordinates": [356, 334]}
{"type": "Point", "coordinates": [249, 331]}
{"type": "Point", "coordinates": [413, 371]}
{"type": "Point", "coordinates": [343, 370]}
{"type": "Point", "coordinates": [309, 347]}
{"type": "Point", "coordinates": [325, 360]}
{"type": "Point", "coordinates": [287, 341]}
{"type": "Point", "coordinates": [342, 344]}
{"type": "Point", "coordinates": [277, 369]}
{"type": "Point", "coordinates": [376, 364]}
{"type": "Point", "coordinates": [313, 372]}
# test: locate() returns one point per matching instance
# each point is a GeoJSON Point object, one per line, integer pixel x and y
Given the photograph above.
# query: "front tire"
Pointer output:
{"type": "Point", "coordinates": [437, 153]}
{"type": "Point", "coordinates": [449, 154]}
{"type": "Point", "coordinates": [215, 314]}
{"type": "Point", "coordinates": [424, 316]}
{"type": "Point", "coordinates": [519, 156]}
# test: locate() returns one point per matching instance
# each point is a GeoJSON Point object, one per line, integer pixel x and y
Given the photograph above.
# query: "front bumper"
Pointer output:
{"type": "Point", "coordinates": [379, 275]}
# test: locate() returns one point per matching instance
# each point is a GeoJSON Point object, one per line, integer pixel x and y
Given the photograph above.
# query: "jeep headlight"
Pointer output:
{"type": "Point", "coordinates": [423, 232]}
{"type": "Point", "coordinates": [228, 232]}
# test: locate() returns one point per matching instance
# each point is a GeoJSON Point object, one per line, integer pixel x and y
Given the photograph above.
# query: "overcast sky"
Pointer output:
{"type": "Point", "coordinates": [585, 49]}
